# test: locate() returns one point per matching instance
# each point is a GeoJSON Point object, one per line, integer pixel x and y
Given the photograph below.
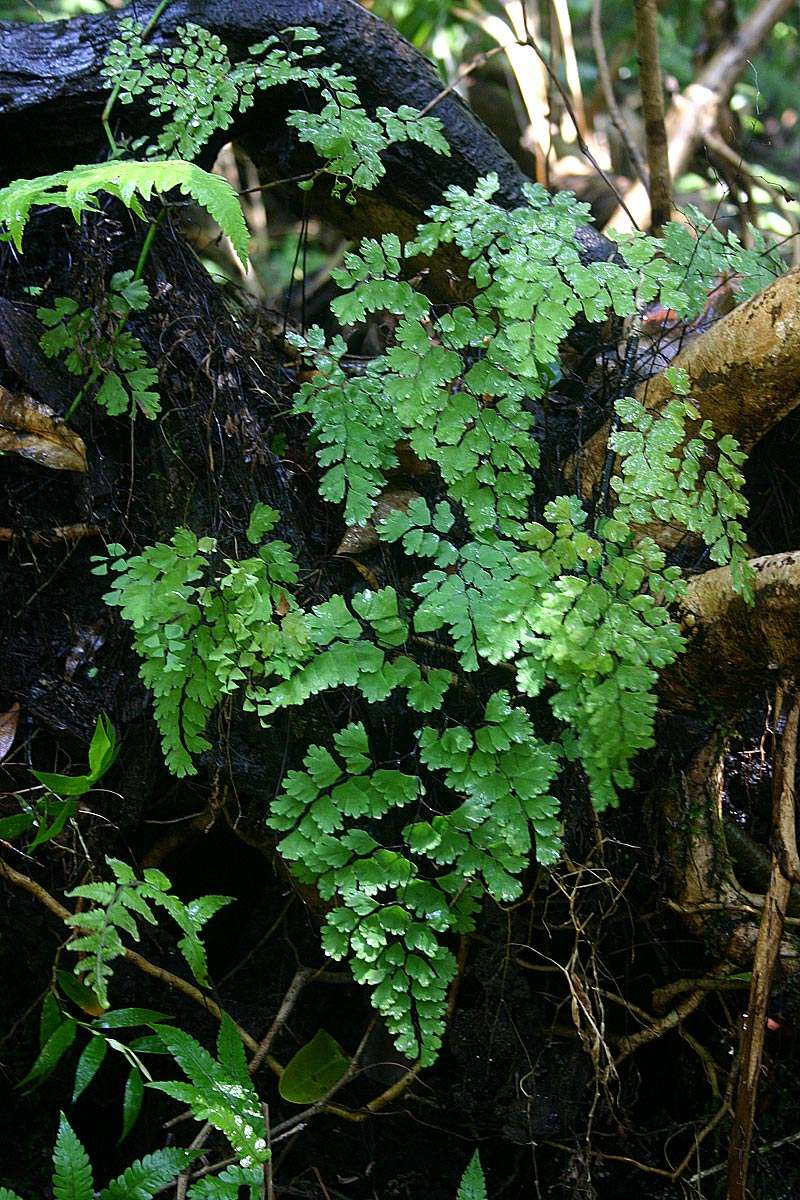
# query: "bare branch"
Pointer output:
{"type": "Point", "coordinates": [695, 111]}
{"type": "Point", "coordinates": [646, 16]}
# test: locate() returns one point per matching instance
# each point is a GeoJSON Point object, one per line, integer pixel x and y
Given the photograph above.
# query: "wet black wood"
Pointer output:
{"type": "Point", "coordinates": [52, 94]}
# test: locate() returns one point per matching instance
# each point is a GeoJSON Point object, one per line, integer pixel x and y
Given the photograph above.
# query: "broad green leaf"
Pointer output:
{"type": "Point", "coordinates": [131, 1102]}
{"type": "Point", "coordinates": [49, 1019]}
{"type": "Point", "coordinates": [313, 1070]}
{"type": "Point", "coordinates": [51, 1053]}
{"type": "Point", "coordinates": [91, 1059]}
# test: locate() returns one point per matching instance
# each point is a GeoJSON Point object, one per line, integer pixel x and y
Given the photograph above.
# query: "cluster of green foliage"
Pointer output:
{"type": "Point", "coordinates": [219, 1091]}
{"type": "Point", "coordinates": [567, 602]}
{"type": "Point", "coordinates": [59, 1029]}
{"type": "Point", "coordinates": [130, 182]}
{"type": "Point", "coordinates": [195, 90]}
{"type": "Point", "coordinates": [571, 601]}
{"type": "Point", "coordinates": [48, 813]}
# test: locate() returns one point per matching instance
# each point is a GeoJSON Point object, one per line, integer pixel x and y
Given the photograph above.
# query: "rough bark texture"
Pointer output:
{"type": "Point", "coordinates": [660, 191]}
{"type": "Point", "coordinates": [735, 649]}
{"type": "Point", "coordinates": [52, 94]}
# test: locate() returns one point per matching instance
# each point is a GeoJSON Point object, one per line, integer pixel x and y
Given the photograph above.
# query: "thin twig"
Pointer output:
{"type": "Point", "coordinates": [584, 148]}
{"type": "Point", "coordinates": [301, 978]}
{"type": "Point", "coordinates": [615, 113]}
{"type": "Point", "coordinates": [43, 537]}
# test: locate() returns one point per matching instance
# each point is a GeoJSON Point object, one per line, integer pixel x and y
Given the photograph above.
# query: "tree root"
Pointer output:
{"type": "Point", "coordinates": [744, 375]}
{"type": "Point", "coordinates": [768, 949]}
{"type": "Point", "coordinates": [733, 648]}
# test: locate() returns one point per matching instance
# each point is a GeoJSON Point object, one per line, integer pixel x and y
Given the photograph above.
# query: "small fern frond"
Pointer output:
{"type": "Point", "coordinates": [72, 1171]}
{"type": "Point", "coordinates": [118, 906]}
{"type": "Point", "coordinates": [130, 182]}
{"type": "Point", "coordinates": [148, 1175]}
{"type": "Point", "coordinates": [473, 1181]}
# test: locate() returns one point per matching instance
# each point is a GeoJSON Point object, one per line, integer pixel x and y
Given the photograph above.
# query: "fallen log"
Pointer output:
{"type": "Point", "coordinates": [52, 94]}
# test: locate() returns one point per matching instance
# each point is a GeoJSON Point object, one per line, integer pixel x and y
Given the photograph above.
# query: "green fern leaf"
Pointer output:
{"type": "Point", "coordinates": [117, 909]}
{"type": "Point", "coordinates": [149, 1175]}
{"type": "Point", "coordinates": [473, 1181]}
{"type": "Point", "coordinates": [130, 182]}
{"type": "Point", "coordinates": [72, 1171]}
{"type": "Point", "coordinates": [230, 1185]}
{"type": "Point", "coordinates": [219, 1093]}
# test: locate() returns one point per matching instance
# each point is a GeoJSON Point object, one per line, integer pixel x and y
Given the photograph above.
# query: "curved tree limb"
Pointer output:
{"type": "Point", "coordinates": [52, 95]}
{"type": "Point", "coordinates": [695, 111]}
{"type": "Point", "coordinates": [734, 648]}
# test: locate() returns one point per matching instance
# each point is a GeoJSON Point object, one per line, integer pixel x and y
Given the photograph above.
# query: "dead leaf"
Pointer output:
{"type": "Point", "coordinates": [358, 538]}
{"type": "Point", "coordinates": [365, 573]}
{"type": "Point", "coordinates": [8, 729]}
{"type": "Point", "coordinates": [32, 430]}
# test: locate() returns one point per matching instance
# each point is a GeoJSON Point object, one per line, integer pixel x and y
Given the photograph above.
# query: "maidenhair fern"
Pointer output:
{"type": "Point", "coordinates": [566, 602]}
{"type": "Point", "coordinates": [194, 90]}
{"type": "Point", "coordinates": [116, 909]}
{"type": "Point", "coordinates": [201, 629]}
{"type": "Point", "coordinates": [390, 903]}
{"type": "Point", "coordinates": [95, 345]}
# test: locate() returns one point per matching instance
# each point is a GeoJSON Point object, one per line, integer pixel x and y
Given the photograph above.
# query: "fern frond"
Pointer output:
{"type": "Point", "coordinates": [219, 1091]}
{"type": "Point", "coordinates": [130, 182]}
{"type": "Point", "coordinates": [230, 1185]}
{"type": "Point", "coordinates": [117, 909]}
{"type": "Point", "coordinates": [473, 1181]}
{"type": "Point", "coordinates": [72, 1171]}
{"type": "Point", "coordinates": [148, 1175]}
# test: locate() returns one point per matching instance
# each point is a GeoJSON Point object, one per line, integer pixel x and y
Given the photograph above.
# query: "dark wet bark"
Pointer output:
{"type": "Point", "coordinates": [52, 94]}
